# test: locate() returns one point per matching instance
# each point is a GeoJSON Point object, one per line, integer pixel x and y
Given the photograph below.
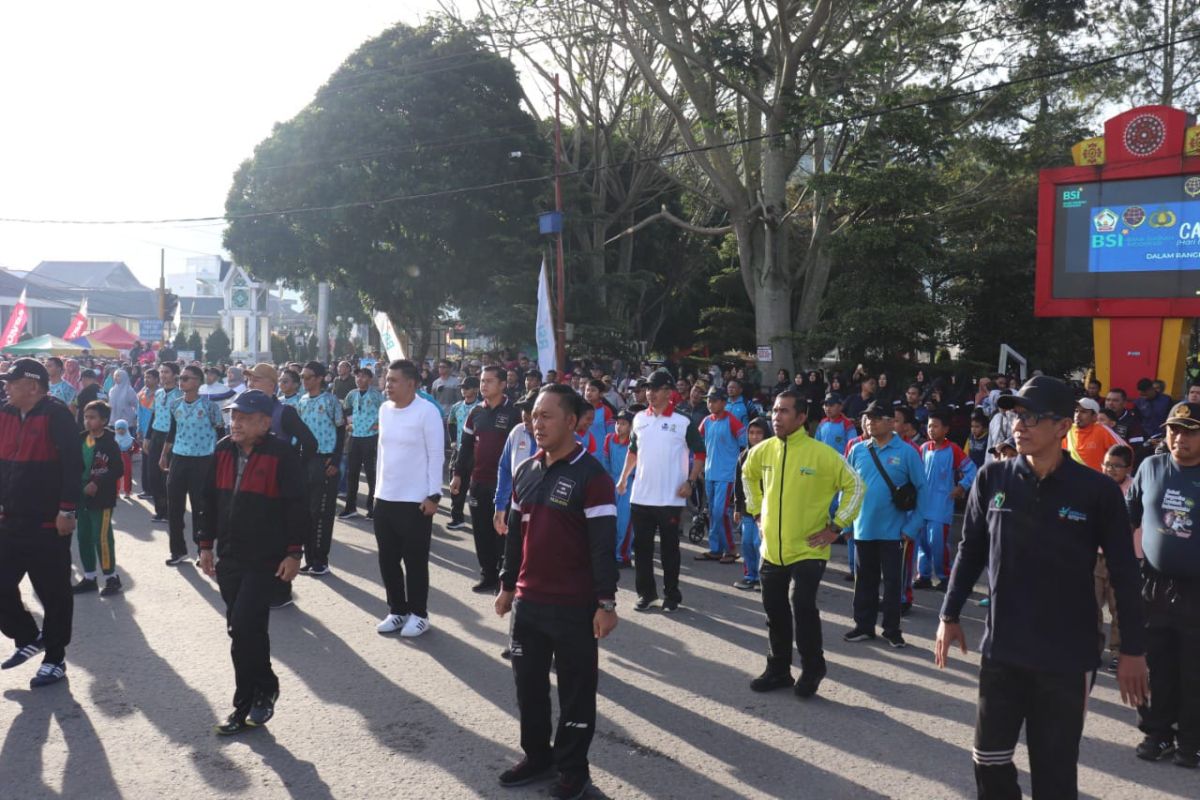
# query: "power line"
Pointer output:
{"type": "Point", "coordinates": [854, 117]}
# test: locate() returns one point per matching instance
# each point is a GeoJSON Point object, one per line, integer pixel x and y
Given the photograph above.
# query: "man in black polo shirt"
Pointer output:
{"type": "Point", "coordinates": [558, 563]}
{"type": "Point", "coordinates": [1162, 502]}
{"type": "Point", "coordinates": [1036, 522]}
{"type": "Point", "coordinates": [483, 436]}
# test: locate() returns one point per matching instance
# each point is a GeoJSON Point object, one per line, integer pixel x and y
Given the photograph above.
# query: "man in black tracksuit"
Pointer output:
{"type": "Point", "coordinates": [484, 433]}
{"type": "Point", "coordinates": [258, 518]}
{"type": "Point", "coordinates": [41, 464]}
{"type": "Point", "coordinates": [559, 567]}
{"type": "Point", "coordinates": [1035, 522]}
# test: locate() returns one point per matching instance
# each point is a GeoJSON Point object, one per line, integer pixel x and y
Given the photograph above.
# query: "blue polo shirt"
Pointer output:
{"type": "Point", "coordinates": [879, 518]}
{"type": "Point", "coordinates": [323, 415]}
{"type": "Point", "coordinates": [363, 408]}
{"type": "Point", "coordinates": [164, 401]}
{"type": "Point", "coordinates": [194, 427]}
{"type": "Point", "coordinates": [724, 438]}
{"type": "Point", "coordinates": [63, 391]}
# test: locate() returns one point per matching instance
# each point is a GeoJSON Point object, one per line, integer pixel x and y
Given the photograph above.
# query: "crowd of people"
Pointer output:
{"type": "Point", "coordinates": [567, 478]}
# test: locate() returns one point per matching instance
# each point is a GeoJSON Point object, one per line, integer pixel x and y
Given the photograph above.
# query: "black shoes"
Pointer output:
{"type": "Point", "coordinates": [486, 586]}
{"type": "Point", "coordinates": [810, 681]}
{"type": "Point", "coordinates": [1186, 757]}
{"type": "Point", "coordinates": [570, 787]}
{"type": "Point", "coordinates": [858, 635]}
{"type": "Point", "coordinates": [644, 603]}
{"type": "Point", "coordinates": [85, 586]}
{"type": "Point", "coordinates": [112, 585]}
{"type": "Point", "coordinates": [922, 583]}
{"type": "Point", "coordinates": [23, 654]}
{"type": "Point", "coordinates": [176, 560]}
{"type": "Point", "coordinates": [671, 605]}
{"type": "Point", "coordinates": [263, 709]}
{"type": "Point", "coordinates": [771, 680]}
{"type": "Point", "coordinates": [235, 723]}
{"type": "Point", "coordinates": [1153, 748]}
{"type": "Point", "coordinates": [894, 639]}
{"type": "Point", "coordinates": [526, 771]}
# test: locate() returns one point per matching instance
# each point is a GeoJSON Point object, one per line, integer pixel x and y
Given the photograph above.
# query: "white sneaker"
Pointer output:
{"type": "Point", "coordinates": [392, 623]}
{"type": "Point", "coordinates": [415, 626]}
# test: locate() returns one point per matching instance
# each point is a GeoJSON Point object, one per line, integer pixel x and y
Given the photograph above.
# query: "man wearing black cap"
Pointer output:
{"type": "Point", "coordinates": [1035, 522]}
{"type": "Point", "coordinates": [659, 446]}
{"type": "Point", "coordinates": [258, 519]}
{"type": "Point", "coordinates": [1162, 501]}
{"type": "Point", "coordinates": [40, 467]}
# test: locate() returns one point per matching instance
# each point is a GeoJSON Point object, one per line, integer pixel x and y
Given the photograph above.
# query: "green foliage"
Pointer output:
{"type": "Point", "coordinates": [181, 340]}
{"type": "Point", "coordinates": [217, 346]}
{"type": "Point", "coordinates": [196, 344]}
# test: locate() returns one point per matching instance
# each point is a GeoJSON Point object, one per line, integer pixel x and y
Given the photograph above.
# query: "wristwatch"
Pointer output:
{"type": "Point", "coordinates": [607, 605]}
{"type": "Point", "coordinates": [297, 556]}
{"type": "Point", "coordinates": [67, 514]}
{"type": "Point", "coordinates": [948, 618]}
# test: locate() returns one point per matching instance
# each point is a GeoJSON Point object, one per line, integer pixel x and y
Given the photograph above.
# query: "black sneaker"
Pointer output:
{"type": "Point", "coordinates": [771, 680]}
{"type": "Point", "coordinates": [157, 519]}
{"type": "Point", "coordinates": [144, 496]}
{"type": "Point", "coordinates": [506, 654]}
{"type": "Point", "coordinates": [810, 681]}
{"type": "Point", "coordinates": [23, 654]}
{"type": "Point", "coordinates": [894, 639]}
{"type": "Point", "coordinates": [278, 604]}
{"type": "Point", "coordinates": [570, 787]}
{"type": "Point", "coordinates": [943, 586]}
{"type": "Point", "coordinates": [263, 709]}
{"type": "Point", "coordinates": [235, 723]}
{"type": "Point", "coordinates": [370, 515]}
{"type": "Point", "coordinates": [175, 561]}
{"type": "Point", "coordinates": [671, 605]}
{"type": "Point", "coordinates": [644, 603]}
{"type": "Point", "coordinates": [858, 635]}
{"type": "Point", "coordinates": [84, 586]}
{"type": "Point", "coordinates": [48, 673]}
{"type": "Point", "coordinates": [746, 584]}
{"type": "Point", "coordinates": [486, 586]}
{"type": "Point", "coordinates": [848, 577]}
{"type": "Point", "coordinates": [349, 513]}
{"type": "Point", "coordinates": [112, 585]}
{"type": "Point", "coordinates": [454, 526]}
{"type": "Point", "coordinates": [1153, 748]}
{"type": "Point", "coordinates": [305, 569]}
{"type": "Point", "coordinates": [1186, 757]}
{"type": "Point", "coordinates": [318, 570]}
{"type": "Point", "coordinates": [922, 583]}
{"type": "Point", "coordinates": [526, 771]}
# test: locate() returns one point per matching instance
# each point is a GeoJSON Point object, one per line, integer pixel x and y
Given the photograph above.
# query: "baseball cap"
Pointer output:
{"type": "Point", "coordinates": [660, 379]}
{"type": "Point", "coordinates": [1042, 395]}
{"type": "Point", "coordinates": [1088, 404]}
{"type": "Point", "coordinates": [878, 410]}
{"type": "Point", "coordinates": [1009, 442]}
{"type": "Point", "coordinates": [526, 403]}
{"type": "Point", "coordinates": [626, 415]}
{"type": "Point", "coordinates": [641, 383]}
{"type": "Point", "coordinates": [254, 402]}
{"type": "Point", "coordinates": [1185, 415]}
{"type": "Point", "coordinates": [27, 368]}
{"type": "Point", "coordinates": [833, 397]}
{"type": "Point", "coordinates": [717, 393]}
{"type": "Point", "coordinates": [264, 371]}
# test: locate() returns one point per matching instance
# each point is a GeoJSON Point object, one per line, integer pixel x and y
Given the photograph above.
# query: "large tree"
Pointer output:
{"type": "Point", "coordinates": [388, 170]}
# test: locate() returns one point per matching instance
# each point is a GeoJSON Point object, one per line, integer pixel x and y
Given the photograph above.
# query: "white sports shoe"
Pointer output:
{"type": "Point", "coordinates": [415, 626]}
{"type": "Point", "coordinates": [392, 623]}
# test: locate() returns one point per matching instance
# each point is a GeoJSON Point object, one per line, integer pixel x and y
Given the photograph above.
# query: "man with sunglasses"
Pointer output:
{"type": "Point", "coordinates": [1035, 522]}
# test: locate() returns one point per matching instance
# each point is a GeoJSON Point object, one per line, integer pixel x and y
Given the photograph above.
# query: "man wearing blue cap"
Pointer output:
{"type": "Point", "coordinates": [257, 518]}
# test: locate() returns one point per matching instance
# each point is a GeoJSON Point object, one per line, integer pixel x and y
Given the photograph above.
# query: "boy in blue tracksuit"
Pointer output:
{"type": "Point", "coordinates": [616, 447]}
{"type": "Point", "coordinates": [756, 432]}
{"type": "Point", "coordinates": [949, 473]}
{"type": "Point", "coordinates": [724, 439]}
{"type": "Point", "coordinates": [835, 430]}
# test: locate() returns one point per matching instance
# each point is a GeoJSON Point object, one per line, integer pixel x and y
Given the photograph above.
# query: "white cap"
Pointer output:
{"type": "Point", "coordinates": [1088, 404]}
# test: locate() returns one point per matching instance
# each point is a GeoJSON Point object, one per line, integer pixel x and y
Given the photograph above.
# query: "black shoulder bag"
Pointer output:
{"type": "Point", "coordinates": [904, 497]}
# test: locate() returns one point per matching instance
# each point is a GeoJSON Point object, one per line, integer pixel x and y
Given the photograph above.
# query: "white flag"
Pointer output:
{"type": "Point", "coordinates": [547, 354]}
{"type": "Point", "coordinates": [387, 336]}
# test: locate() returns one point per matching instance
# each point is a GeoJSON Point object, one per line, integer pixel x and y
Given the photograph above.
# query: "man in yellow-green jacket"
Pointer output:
{"type": "Point", "coordinates": [791, 482]}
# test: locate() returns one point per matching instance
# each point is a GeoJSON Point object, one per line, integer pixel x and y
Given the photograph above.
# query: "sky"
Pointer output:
{"type": "Point", "coordinates": [143, 110]}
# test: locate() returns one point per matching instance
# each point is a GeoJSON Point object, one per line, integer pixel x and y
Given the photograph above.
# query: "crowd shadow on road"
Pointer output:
{"type": "Point", "coordinates": [300, 778]}
{"type": "Point", "coordinates": [87, 772]}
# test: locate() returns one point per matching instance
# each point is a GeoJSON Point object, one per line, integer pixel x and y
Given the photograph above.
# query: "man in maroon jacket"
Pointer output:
{"type": "Point", "coordinates": [40, 468]}
{"type": "Point", "coordinates": [559, 569]}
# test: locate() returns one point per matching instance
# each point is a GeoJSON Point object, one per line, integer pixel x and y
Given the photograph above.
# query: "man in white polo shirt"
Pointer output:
{"type": "Point", "coordinates": [662, 443]}
{"type": "Point", "coordinates": [408, 486]}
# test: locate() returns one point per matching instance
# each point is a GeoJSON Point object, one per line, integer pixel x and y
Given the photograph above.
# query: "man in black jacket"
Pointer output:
{"type": "Point", "coordinates": [40, 469]}
{"type": "Point", "coordinates": [257, 517]}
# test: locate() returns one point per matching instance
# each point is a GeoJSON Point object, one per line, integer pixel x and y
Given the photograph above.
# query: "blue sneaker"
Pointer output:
{"type": "Point", "coordinates": [23, 654]}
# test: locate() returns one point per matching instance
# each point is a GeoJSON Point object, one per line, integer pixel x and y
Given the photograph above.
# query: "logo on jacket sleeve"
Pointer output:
{"type": "Point", "coordinates": [998, 501]}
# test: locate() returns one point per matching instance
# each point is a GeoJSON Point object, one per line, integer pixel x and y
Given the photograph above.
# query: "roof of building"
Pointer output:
{"type": "Point", "coordinates": [85, 275]}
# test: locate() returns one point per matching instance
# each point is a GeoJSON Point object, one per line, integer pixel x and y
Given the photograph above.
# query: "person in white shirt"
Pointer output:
{"type": "Point", "coordinates": [408, 487]}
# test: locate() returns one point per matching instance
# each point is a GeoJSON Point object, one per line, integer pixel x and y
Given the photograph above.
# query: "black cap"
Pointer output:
{"type": "Point", "coordinates": [641, 383]}
{"type": "Point", "coordinates": [717, 393]}
{"type": "Point", "coordinates": [1010, 442]}
{"type": "Point", "coordinates": [27, 368]}
{"type": "Point", "coordinates": [526, 402]}
{"type": "Point", "coordinates": [1042, 395]}
{"type": "Point", "coordinates": [833, 397]}
{"type": "Point", "coordinates": [626, 415]}
{"type": "Point", "coordinates": [1184, 415]}
{"type": "Point", "coordinates": [254, 402]}
{"type": "Point", "coordinates": [877, 410]}
{"type": "Point", "coordinates": [660, 379]}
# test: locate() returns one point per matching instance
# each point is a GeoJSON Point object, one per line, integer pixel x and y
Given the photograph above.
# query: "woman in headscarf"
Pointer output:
{"type": "Point", "coordinates": [122, 398]}
{"type": "Point", "coordinates": [884, 392]}
{"type": "Point", "coordinates": [814, 390]}
{"type": "Point", "coordinates": [71, 372]}
{"type": "Point", "coordinates": [784, 382]}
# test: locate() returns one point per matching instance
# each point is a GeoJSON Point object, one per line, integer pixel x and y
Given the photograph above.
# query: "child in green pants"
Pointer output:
{"type": "Point", "coordinates": [102, 471]}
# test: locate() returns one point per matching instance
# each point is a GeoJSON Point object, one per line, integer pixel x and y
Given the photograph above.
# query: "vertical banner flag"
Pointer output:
{"type": "Point", "coordinates": [16, 323]}
{"type": "Point", "coordinates": [545, 326]}
{"type": "Point", "coordinates": [387, 336]}
{"type": "Point", "coordinates": [78, 325]}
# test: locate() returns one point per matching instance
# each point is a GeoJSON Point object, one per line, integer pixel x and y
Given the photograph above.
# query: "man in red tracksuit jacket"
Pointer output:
{"type": "Point", "coordinates": [40, 466]}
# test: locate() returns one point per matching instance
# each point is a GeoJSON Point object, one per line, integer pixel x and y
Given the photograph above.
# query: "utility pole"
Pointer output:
{"type": "Point", "coordinates": [162, 290]}
{"type": "Point", "coordinates": [559, 279]}
{"type": "Point", "coordinates": [323, 321]}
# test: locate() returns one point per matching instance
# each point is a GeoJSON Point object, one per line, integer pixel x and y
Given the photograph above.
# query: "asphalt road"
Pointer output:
{"type": "Point", "coordinates": [367, 716]}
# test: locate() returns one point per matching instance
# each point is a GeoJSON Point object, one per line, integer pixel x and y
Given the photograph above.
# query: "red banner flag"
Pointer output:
{"type": "Point", "coordinates": [16, 323]}
{"type": "Point", "coordinates": [78, 325]}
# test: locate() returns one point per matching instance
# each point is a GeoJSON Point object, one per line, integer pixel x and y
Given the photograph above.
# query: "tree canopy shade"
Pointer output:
{"type": "Point", "coordinates": [414, 112]}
